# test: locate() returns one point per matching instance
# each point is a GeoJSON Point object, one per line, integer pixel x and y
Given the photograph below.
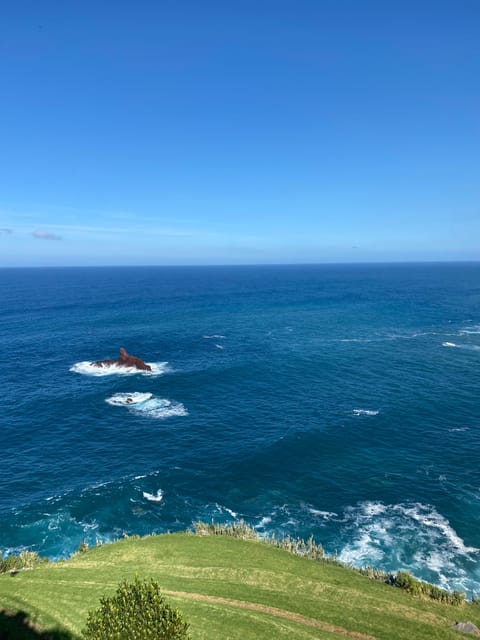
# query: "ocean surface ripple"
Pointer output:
{"type": "Point", "coordinates": [339, 401]}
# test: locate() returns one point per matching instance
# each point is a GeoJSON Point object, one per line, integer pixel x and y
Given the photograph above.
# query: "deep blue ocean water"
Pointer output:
{"type": "Point", "coordinates": [338, 401]}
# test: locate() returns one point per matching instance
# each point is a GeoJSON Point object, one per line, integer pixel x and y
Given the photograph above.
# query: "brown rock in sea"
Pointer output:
{"type": "Point", "coordinates": [125, 360]}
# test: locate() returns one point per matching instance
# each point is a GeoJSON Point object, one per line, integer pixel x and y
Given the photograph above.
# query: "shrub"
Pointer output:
{"type": "Point", "coordinates": [24, 560]}
{"type": "Point", "coordinates": [136, 610]}
{"type": "Point", "coordinates": [406, 581]}
{"type": "Point", "coordinates": [238, 529]}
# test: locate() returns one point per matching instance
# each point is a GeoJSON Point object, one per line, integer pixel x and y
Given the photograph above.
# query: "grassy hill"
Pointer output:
{"type": "Point", "coordinates": [227, 589]}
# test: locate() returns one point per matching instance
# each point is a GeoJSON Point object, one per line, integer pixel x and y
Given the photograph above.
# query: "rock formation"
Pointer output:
{"type": "Point", "coordinates": [125, 360]}
{"type": "Point", "coordinates": [467, 627]}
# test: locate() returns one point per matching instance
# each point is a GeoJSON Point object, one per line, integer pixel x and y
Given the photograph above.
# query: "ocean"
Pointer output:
{"type": "Point", "coordinates": [339, 401]}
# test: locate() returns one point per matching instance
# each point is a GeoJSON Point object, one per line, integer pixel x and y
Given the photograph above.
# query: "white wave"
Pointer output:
{"type": "Point", "coordinates": [219, 346]}
{"type": "Point", "coordinates": [436, 562]}
{"type": "Point", "coordinates": [153, 497]}
{"type": "Point", "coordinates": [373, 508]}
{"type": "Point", "coordinates": [326, 515]}
{"type": "Point", "coordinates": [468, 347]}
{"type": "Point", "coordinates": [126, 399]}
{"type": "Point", "coordinates": [89, 368]}
{"type": "Point", "coordinates": [453, 429]}
{"type": "Point", "coordinates": [361, 551]}
{"type": "Point", "coordinates": [475, 330]}
{"type": "Point", "coordinates": [221, 508]}
{"type": "Point", "coordinates": [159, 408]}
{"type": "Point", "coordinates": [216, 336]}
{"type": "Point", "coordinates": [429, 517]}
{"type": "Point", "coordinates": [263, 522]}
{"type": "Point", "coordinates": [146, 404]}
{"type": "Point", "coordinates": [421, 334]}
{"type": "Point", "coordinates": [411, 536]}
{"type": "Point", "coordinates": [365, 412]}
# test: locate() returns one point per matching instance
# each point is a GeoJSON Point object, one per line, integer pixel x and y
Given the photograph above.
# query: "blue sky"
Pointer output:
{"type": "Point", "coordinates": [274, 131]}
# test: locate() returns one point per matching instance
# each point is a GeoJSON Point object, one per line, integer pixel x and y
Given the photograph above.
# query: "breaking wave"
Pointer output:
{"type": "Point", "coordinates": [326, 515]}
{"type": "Point", "coordinates": [470, 331]}
{"type": "Point", "coordinates": [127, 399]}
{"type": "Point", "coordinates": [89, 368]}
{"type": "Point", "coordinates": [413, 537]}
{"type": "Point", "coordinates": [147, 405]}
{"type": "Point", "coordinates": [159, 408]}
{"type": "Point", "coordinates": [468, 347]}
{"type": "Point", "coordinates": [365, 412]}
{"type": "Point", "coordinates": [153, 497]}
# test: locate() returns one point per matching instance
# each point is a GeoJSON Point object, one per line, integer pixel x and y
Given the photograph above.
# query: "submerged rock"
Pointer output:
{"type": "Point", "coordinates": [467, 627]}
{"type": "Point", "coordinates": [125, 360]}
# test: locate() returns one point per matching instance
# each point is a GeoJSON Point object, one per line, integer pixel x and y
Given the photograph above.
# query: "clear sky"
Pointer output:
{"type": "Point", "coordinates": [239, 131]}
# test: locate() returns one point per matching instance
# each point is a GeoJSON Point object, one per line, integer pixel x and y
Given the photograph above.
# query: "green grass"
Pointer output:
{"type": "Point", "coordinates": [271, 593]}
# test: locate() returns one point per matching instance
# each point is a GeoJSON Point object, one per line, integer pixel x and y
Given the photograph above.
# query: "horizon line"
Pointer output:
{"type": "Point", "coordinates": [242, 264]}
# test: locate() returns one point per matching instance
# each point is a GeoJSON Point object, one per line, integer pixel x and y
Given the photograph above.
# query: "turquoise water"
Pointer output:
{"type": "Point", "coordinates": [338, 401]}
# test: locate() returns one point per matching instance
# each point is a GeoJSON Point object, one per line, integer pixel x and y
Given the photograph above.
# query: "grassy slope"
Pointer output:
{"type": "Point", "coordinates": [59, 595]}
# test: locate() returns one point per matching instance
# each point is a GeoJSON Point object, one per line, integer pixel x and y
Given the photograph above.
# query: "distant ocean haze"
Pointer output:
{"type": "Point", "coordinates": [334, 401]}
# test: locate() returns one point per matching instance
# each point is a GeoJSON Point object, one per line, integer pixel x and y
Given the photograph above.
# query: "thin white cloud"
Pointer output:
{"type": "Point", "coordinates": [134, 229]}
{"type": "Point", "coordinates": [45, 235]}
{"type": "Point", "coordinates": [122, 223]}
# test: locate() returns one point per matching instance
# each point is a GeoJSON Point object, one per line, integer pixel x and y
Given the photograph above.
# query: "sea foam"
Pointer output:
{"type": "Point", "coordinates": [470, 331]}
{"type": "Point", "coordinates": [326, 515]}
{"type": "Point", "coordinates": [153, 497]}
{"type": "Point", "coordinates": [411, 536]}
{"type": "Point", "coordinates": [468, 347]}
{"type": "Point", "coordinates": [89, 368]}
{"type": "Point", "coordinates": [365, 412]}
{"type": "Point", "coordinates": [147, 405]}
{"type": "Point", "coordinates": [266, 520]}
{"type": "Point", "coordinates": [126, 399]}
{"type": "Point", "coordinates": [159, 408]}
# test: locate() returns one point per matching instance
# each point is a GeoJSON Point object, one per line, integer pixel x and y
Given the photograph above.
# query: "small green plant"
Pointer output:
{"type": "Point", "coordinates": [238, 529]}
{"type": "Point", "coordinates": [24, 560]}
{"type": "Point", "coordinates": [405, 580]}
{"type": "Point", "coordinates": [298, 546]}
{"type": "Point", "coordinates": [377, 574]}
{"type": "Point", "coordinates": [137, 611]}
